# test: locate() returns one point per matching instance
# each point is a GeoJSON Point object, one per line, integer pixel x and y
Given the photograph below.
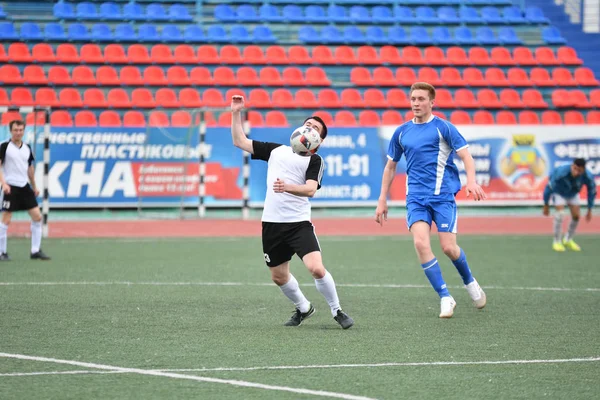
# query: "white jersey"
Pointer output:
{"type": "Point", "coordinates": [15, 162]}
{"type": "Point", "coordinates": [290, 168]}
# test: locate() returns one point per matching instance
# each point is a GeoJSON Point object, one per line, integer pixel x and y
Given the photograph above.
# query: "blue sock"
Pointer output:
{"type": "Point", "coordinates": [434, 274]}
{"type": "Point", "coordinates": [463, 268]}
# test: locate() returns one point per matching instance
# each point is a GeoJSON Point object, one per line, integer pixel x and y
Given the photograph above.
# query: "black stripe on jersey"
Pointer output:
{"type": "Point", "coordinates": [315, 169]}
{"type": "Point", "coordinates": [262, 150]}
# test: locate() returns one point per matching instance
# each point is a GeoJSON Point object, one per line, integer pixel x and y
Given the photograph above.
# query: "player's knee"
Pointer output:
{"type": "Point", "coordinates": [317, 270]}
{"type": "Point", "coordinates": [422, 244]}
{"type": "Point", "coordinates": [575, 216]}
{"type": "Point", "coordinates": [451, 250]}
{"type": "Point", "coordinates": [279, 279]}
{"type": "Point", "coordinates": [6, 218]}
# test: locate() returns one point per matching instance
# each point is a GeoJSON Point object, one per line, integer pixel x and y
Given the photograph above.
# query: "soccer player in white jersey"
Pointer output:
{"type": "Point", "coordinates": [19, 190]}
{"type": "Point", "coordinates": [286, 223]}
{"type": "Point", "coordinates": [429, 144]}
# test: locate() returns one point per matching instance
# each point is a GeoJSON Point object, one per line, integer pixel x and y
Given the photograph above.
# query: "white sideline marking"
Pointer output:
{"type": "Point", "coordinates": [357, 285]}
{"type": "Point", "coordinates": [188, 377]}
{"type": "Point", "coordinates": [283, 367]}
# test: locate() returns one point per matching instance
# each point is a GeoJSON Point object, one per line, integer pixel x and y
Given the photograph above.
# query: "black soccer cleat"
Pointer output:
{"type": "Point", "coordinates": [4, 257]}
{"type": "Point", "coordinates": [299, 316]}
{"type": "Point", "coordinates": [343, 319]}
{"type": "Point", "coordinates": [40, 255]}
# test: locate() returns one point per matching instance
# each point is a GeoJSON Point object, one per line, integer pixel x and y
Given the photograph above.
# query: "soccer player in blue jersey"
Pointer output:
{"type": "Point", "coordinates": [563, 188]}
{"type": "Point", "coordinates": [429, 144]}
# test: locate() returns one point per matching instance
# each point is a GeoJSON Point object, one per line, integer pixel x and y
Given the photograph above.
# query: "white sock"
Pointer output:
{"type": "Point", "coordinates": [292, 291]}
{"type": "Point", "coordinates": [36, 236]}
{"type": "Point", "coordinates": [326, 286]}
{"type": "Point", "coordinates": [3, 235]}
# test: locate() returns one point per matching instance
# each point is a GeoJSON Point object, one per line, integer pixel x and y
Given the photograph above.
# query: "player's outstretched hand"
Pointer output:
{"type": "Point", "coordinates": [6, 188]}
{"type": "Point", "coordinates": [279, 186]}
{"type": "Point", "coordinates": [546, 210]}
{"type": "Point", "coordinates": [476, 191]}
{"type": "Point", "coordinates": [237, 103]}
{"type": "Point", "coordinates": [381, 212]}
{"type": "Point", "coordinates": [588, 216]}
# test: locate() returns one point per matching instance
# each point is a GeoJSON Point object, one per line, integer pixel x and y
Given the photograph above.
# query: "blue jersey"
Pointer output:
{"type": "Point", "coordinates": [429, 150]}
{"type": "Point", "coordinates": [563, 183]}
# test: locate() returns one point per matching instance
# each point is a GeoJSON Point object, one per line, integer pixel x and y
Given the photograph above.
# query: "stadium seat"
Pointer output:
{"type": "Point", "coordinates": [41, 52]}
{"type": "Point", "coordinates": [194, 34]}
{"type": "Point", "coordinates": [125, 33]}
{"type": "Point", "coordinates": [328, 98]}
{"type": "Point", "coordinates": [474, 77]}
{"type": "Point", "coordinates": [282, 98]}
{"type": "Point", "coordinates": [323, 55]}
{"type": "Point", "coordinates": [83, 75]}
{"type": "Point", "coordinates": [480, 56]}
{"type": "Point", "coordinates": [579, 99]}
{"type": "Point", "coordinates": [247, 76]}
{"type": "Point", "coordinates": [178, 76]}
{"type": "Point", "coordinates": [483, 117]}
{"type": "Point", "coordinates": [593, 117]}
{"type": "Point", "coordinates": [299, 55]}
{"type": "Point", "coordinates": [67, 54]}
{"type": "Point", "coordinates": [506, 118]}
{"type": "Point", "coordinates": [59, 75]}
{"type": "Point", "coordinates": [269, 13]}
{"type": "Point", "coordinates": [464, 36]}
{"type": "Point", "coordinates": [255, 119]}
{"type": "Point", "coordinates": [374, 35]}
{"type": "Point", "coordinates": [78, 32]}
{"type": "Point", "coordinates": [325, 116]}
{"type": "Point", "coordinates": [118, 98]}
{"type": "Point", "coordinates": [110, 119]}
{"type": "Point", "coordinates": [230, 54]}
{"type": "Point", "coordinates": [101, 33]}
{"type": "Point", "coordinates": [161, 54]}
{"type": "Point", "coordinates": [309, 35]}
{"type": "Point", "coordinates": [208, 54]}
{"type": "Point", "coordinates": [511, 98]}
{"type": "Point", "coordinates": [351, 97]}
{"type": "Point", "coordinates": [518, 77]}
{"type": "Point", "coordinates": [213, 98]}
{"type": "Point", "coordinates": [496, 77]}
{"type": "Point", "coordinates": [85, 119]}
{"type": "Point", "coordinates": [158, 119]}
{"type": "Point", "coordinates": [391, 117]}
{"type": "Point", "coordinates": [8, 31]}
{"type": "Point", "coordinates": [412, 55]}
{"type": "Point", "coordinates": [528, 118]}
{"type": "Point", "coordinates": [10, 74]}
{"type": "Point", "coordinates": [184, 54]}
{"type": "Point", "coordinates": [345, 118]}
{"type": "Point", "coordinates": [70, 98]}
{"type": "Point", "coordinates": [561, 98]}
{"type": "Point", "coordinates": [91, 54]}
{"type": "Point", "coordinates": [485, 36]}
{"type": "Point", "coordinates": [369, 118]}
{"type": "Point", "coordinates": [361, 76]}
{"type": "Point", "coordinates": [201, 76]}
{"type": "Point", "coordinates": [335, 13]}
{"type": "Point", "coordinates": [443, 99]}
{"type": "Point", "coordinates": [541, 77]}
{"type": "Point", "coordinates": [155, 76]}
{"type": "Point", "coordinates": [345, 55]}
{"type": "Point", "coordinates": [4, 100]}
{"type": "Point", "coordinates": [535, 15]}
{"type": "Point", "coordinates": [457, 56]}
{"type": "Point", "coordinates": [259, 98]}
{"type": "Point", "coordinates": [142, 98]}
{"type": "Point", "coordinates": [574, 118]}
{"type": "Point", "coordinates": [224, 76]}
{"type": "Point", "coordinates": [270, 76]}
{"type": "Point", "coordinates": [305, 98]}
{"type": "Point", "coordinates": [63, 10]}
{"type": "Point", "coordinates": [86, 10]}
{"type": "Point", "coordinates": [189, 97]}
{"type": "Point", "coordinates": [524, 56]}
{"type": "Point", "coordinates": [419, 36]}
{"type": "Point", "coordinates": [171, 34]}
{"type": "Point", "coordinates": [34, 75]}
{"type": "Point", "coordinates": [21, 97]}
{"type": "Point", "coordinates": [110, 11]}
{"type": "Point", "coordinates": [460, 117]}
{"type": "Point", "coordinates": [584, 76]}
{"type": "Point", "coordinates": [3, 55]}
{"type": "Point", "coordinates": [464, 98]}
{"type": "Point", "coordinates": [367, 55]}
{"type": "Point", "coordinates": [107, 76]}
{"type": "Point", "coordinates": [390, 55]}
{"type": "Point", "coordinates": [595, 98]}
{"type": "Point", "coordinates": [61, 118]}
{"type": "Point", "coordinates": [276, 119]}
{"type": "Point", "coordinates": [46, 97]}
{"type": "Point", "coordinates": [167, 98]}
{"type": "Point", "coordinates": [94, 98]}
{"type": "Point", "coordinates": [563, 77]}
{"type": "Point", "coordinates": [134, 119]}
{"type": "Point", "coordinates": [30, 31]}
{"type": "Point", "coordinates": [488, 98]}
{"type": "Point", "coordinates": [551, 118]}
{"type": "Point", "coordinates": [253, 55]}
{"type": "Point", "coordinates": [442, 36]}
{"type": "Point", "coordinates": [551, 35]}
{"type": "Point", "coordinates": [545, 56]}
{"type": "Point", "coordinates": [9, 116]}
{"type": "Point", "coordinates": [568, 56]}
{"type": "Point", "coordinates": [19, 53]}
{"type": "Point", "coordinates": [224, 119]}
{"type": "Point", "coordinates": [405, 76]}
{"type": "Point", "coordinates": [181, 119]}
{"type": "Point", "coordinates": [501, 56]}
{"type": "Point", "coordinates": [316, 76]}
{"type": "Point", "coordinates": [54, 31]}
{"type": "Point", "coordinates": [374, 98]}
{"type": "Point", "coordinates": [397, 98]}
{"type": "Point", "coordinates": [532, 98]}
{"type": "Point", "coordinates": [430, 75]}
{"type": "Point", "coordinates": [382, 15]}
{"type": "Point", "coordinates": [434, 56]}
{"type": "Point", "coordinates": [276, 55]}
{"type": "Point", "coordinates": [136, 54]}
{"type": "Point", "coordinates": [131, 76]}
{"type": "Point", "coordinates": [508, 36]}
{"type": "Point", "coordinates": [148, 33]}
{"type": "Point", "coordinates": [451, 77]}
{"type": "Point", "coordinates": [292, 76]}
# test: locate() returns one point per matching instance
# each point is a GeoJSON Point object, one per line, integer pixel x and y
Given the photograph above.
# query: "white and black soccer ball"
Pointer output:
{"type": "Point", "coordinates": [305, 141]}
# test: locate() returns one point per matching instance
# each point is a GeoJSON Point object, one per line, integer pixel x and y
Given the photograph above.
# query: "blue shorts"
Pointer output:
{"type": "Point", "coordinates": [431, 208]}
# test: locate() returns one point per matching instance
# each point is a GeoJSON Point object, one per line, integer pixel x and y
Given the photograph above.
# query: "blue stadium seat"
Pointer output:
{"type": "Point", "coordinates": [442, 35]}
{"type": "Point", "coordinates": [470, 15]}
{"type": "Point", "coordinates": [217, 33]}
{"type": "Point", "coordinates": [125, 33]}
{"type": "Point", "coordinates": [134, 11]}
{"type": "Point", "coordinates": [110, 11]}
{"type": "Point", "coordinates": [54, 31]}
{"type": "Point", "coordinates": [463, 35]}
{"type": "Point", "coordinates": [375, 35]}
{"type": "Point", "coordinates": [383, 14]}
{"type": "Point", "coordinates": [240, 34]}
{"type": "Point", "coordinates": [156, 12]}
{"type": "Point", "coordinates": [2, 13]}
{"type": "Point", "coordinates": [263, 34]}
{"type": "Point", "coordinates": [337, 13]}
{"type": "Point", "coordinates": [31, 31]}
{"type": "Point", "coordinates": [7, 31]}
{"type": "Point", "coordinates": [78, 32]}
{"type": "Point", "coordinates": [331, 34]}
{"type": "Point", "coordinates": [308, 34]}
{"type": "Point", "coordinates": [552, 35]}
{"type": "Point", "coordinates": [224, 12]}
{"type": "Point", "coordinates": [269, 13]}
{"type": "Point", "coordinates": [148, 33]}
{"type": "Point", "coordinates": [419, 35]}
{"type": "Point", "coordinates": [491, 15]}
{"type": "Point", "coordinates": [535, 15]}
{"type": "Point", "coordinates": [179, 12]}
{"type": "Point", "coordinates": [101, 33]}
{"type": "Point", "coordinates": [293, 13]}
{"type": "Point", "coordinates": [315, 13]}
{"type": "Point", "coordinates": [448, 15]}
{"type": "Point", "coordinates": [353, 35]}
{"type": "Point", "coordinates": [508, 35]}
{"type": "Point", "coordinates": [397, 35]}
{"type": "Point", "coordinates": [64, 10]}
{"type": "Point", "coordinates": [426, 15]}
{"type": "Point", "coordinates": [403, 14]}
{"type": "Point", "coordinates": [360, 14]}
{"type": "Point", "coordinates": [485, 36]}
{"type": "Point", "coordinates": [247, 13]}
{"type": "Point", "coordinates": [87, 10]}
{"type": "Point", "coordinates": [171, 33]}
{"type": "Point", "coordinates": [513, 15]}
{"type": "Point", "coordinates": [193, 34]}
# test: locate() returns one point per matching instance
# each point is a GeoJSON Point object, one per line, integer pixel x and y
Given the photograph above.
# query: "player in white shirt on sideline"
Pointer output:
{"type": "Point", "coordinates": [19, 191]}
{"type": "Point", "coordinates": [286, 224]}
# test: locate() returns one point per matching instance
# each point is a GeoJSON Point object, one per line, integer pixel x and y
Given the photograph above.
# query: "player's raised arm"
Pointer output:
{"type": "Point", "coordinates": [472, 186]}
{"type": "Point", "coordinates": [237, 129]}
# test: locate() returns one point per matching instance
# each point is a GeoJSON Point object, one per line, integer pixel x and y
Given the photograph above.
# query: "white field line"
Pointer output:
{"type": "Point", "coordinates": [356, 285]}
{"type": "Point", "coordinates": [326, 366]}
{"type": "Point", "coordinates": [187, 377]}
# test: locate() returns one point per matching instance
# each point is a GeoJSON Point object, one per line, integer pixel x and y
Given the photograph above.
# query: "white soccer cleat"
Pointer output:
{"type": "Point", "coordinates": [447, 305]}
{"type": "Point", "coordinates": [477, 294]}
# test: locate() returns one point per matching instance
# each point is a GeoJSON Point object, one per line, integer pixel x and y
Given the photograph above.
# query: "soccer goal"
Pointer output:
{"type": "Point", "coordinates": [37, 135]}
{"type": "Point", "coordinates": [174, 170]}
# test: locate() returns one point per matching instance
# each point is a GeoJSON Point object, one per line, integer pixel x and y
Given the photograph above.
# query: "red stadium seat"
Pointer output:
{"type": "Point", "coordinates": [374, 98]}
{"type": "Point", "coordinates": [541, 77]}
{"type": "Point", "coordinates": [383, 76]}
{"type": "Point", "coordinates": [574, 118]}
{"type": "Point", "coordinates": [563, 77]}
{"type": "Point", "coordinates": [201, 76]}
{"type": "Point", "coordinates": [292, 76]}
{"type": "Point", "coordinates": [253, 55]}
{"type": "Point", "coordinates": [36, 118]}
{"type": "Point", "coordinates": [518, 77]}
{"type": "Point", "coordinates": [532, 98]}
{"type": "Point", "coordinates": [480, 56]}
{"type": "Point", "coordinates": [158, 119]}
{"type": "Point", "coordinates": [247, 76]}
{"type": "Point", "coordinates": [545, 56]}
{"type": "Point", "coordinates": [83, 75]}
{"type": "Point", "coordinates": [166, 97]}
{"type": "Point", "coordinates": [595, 98]}
{"type": "Point", "coordinates": [579, 99]}
{"type": "Point", "coordinates": [19, 53]}
{"type": "Point", "coordinates": [367, 55]}
{"type": "Point", "coordinates": [131, 76]}
{"type": "Point", "coordinates": [189, 97]}
{"type": "Point", "coordinates": [443, 99]}
{"type": "Point", "coordinates": [430, 75]}
{"type": "Point", "coordinates": [276, 119]}
{"type": "Point", "coordinates": [34, 75]}
{"type": "Point", "coordinates": [460, 118]}
{"type": "Point", "coordinates": [561, 98]}
{"type": "Point", "coordinates": [328, 98]}
{"type": "Point", "coordinates": [435, 56]}
{"type": "Point", "coordinates": [524, 56]}
{"type": "Point", "coordinates": [506, 118]}
{"type": "Point", "coordinates": [405, 76]}
{"type": "Point", "coordinates": [457, 56]}
{"type": "Point", "coordinates": [451, 77]}
{"type": "Point", "coordinates": [21, 97]}
{"type": "Point", "coordinates": [345, 118]}
{"type": "Point", "coordinates": [489, 99]}
{"type": "Point", "coordinates": [70, 98]}
{"type": "Point", "coordinates": [46, 97]}
{"type": "Point", "coordinates": [181, 119]}
{"type": "Point", "coordinates": [3, 55]}
{"type": "Point", "coordinates": [495, 77]}
{"type": "Point", "coordinates": [270, 76]}
{"type": "Point", "coordinates": [299, 55]}
{"type": "Point", "coordinates": [118, 98]}
{"type": "Point", "coordinates": [323, 55]}
{"type": "Point", "coordinates": [511, 98]}
{"type": "Point", "coordinates": [43, 53]}
{"type": "Point", "coordinates": [161, 54]}
{"type": "Point", "coordinates": [501, 56]}
{"type": "Point", "coordinates": [568, 56]}
{"type": "Point", "coordinates": [91, 54]}
{"type": "Point", "coordinates": [67, 54]}
{"type": "Point", "coordinates": [474, 77]}
{"type": "Point", "coordinates": [185, 54]}
{"type": "Point", "coordinates": [464, 98]}
{"type": "Point", "coordinates": [142, 98]}
{"type": "Point", "coordinates": [412, 55]}
{"type": "Point", "coordinates": [155, 76]}
{"type": "Point", "coordinates": [224, 119]}
{"type": "Point", "coordinates": [316, 76]}
{"type": "Point", "coordinates": [85, 119]}
{"type": "Point", "coordinates": [345, 55]}
{"type": "Point", "coordinates": [306, 98]}
{"type": "Point", "coordinates": [11, 74]}
{"type": "Point", "coordinates": [551, 118]}
{"type": "Point", "coordinates": [593, 117]}
{"type": "Point", "coordinates": [397, 98]}
{"type": "Point", "coordinates": [4, 100]}
{"type": "Point", "coordinates": [390, 55]}
{"type": "Point", "coordinates": [9, 116]}
{"type": "Point", "coordinates": [528, 118]}
{"type": "Point", "coordinates": [351, 98]}
{"type": "Point", "coordinates": [107, 76]}
{"type": "Point", "coordinates": [255, 119]}
{"type": "Point", "coordinates": [61, 118]}
{"type": "Point", "coordinates": [134, 119]}
{"type": "Point", "coordinates": [259, 98]}
{"type": "Point", "coordinates": [276, 55]}
{"type": "Point", "coordinates": [115, 54]}
{"type": "Point", "coordinates": [585, 77]}
{"type": "Point", "coordinates": [231, 54]}
{"type": "Point", "coordinates": [361, 76]}
{"type": "Point", "coordinates": [178, 76]}
{"type": "Point", "coordinates": [59, 75]}
{"type": "Point", "coordinates": [208, 54]}
{"type": "Point", "coordinates": [94, 98]}
{"type": "Point", "coordinates": [213, 98]}
{"type": "Point", "coordinates": [391, 117]}
{"type": "Point", "coordinates": [110, 119]}
{"type": "Point", "coordinates": [224, 76]}
{"type": "Point", "coordinates": [368, 118]}
{"type": "Point", "coordinates": [282, 98]}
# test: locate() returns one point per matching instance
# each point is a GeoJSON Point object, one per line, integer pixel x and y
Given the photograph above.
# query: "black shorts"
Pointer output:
{"type": "Point", "coordinates": [19, 198]}
{"type": "Point", "coordinates": [281, 240]}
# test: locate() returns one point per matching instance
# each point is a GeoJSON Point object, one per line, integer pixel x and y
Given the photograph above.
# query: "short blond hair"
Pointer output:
{"type": "Point", "coordinates": [423, 86]}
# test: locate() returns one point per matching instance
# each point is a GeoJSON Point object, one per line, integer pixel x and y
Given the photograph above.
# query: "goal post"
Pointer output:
{"type": "Point", "coordinates": [37, 136]}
